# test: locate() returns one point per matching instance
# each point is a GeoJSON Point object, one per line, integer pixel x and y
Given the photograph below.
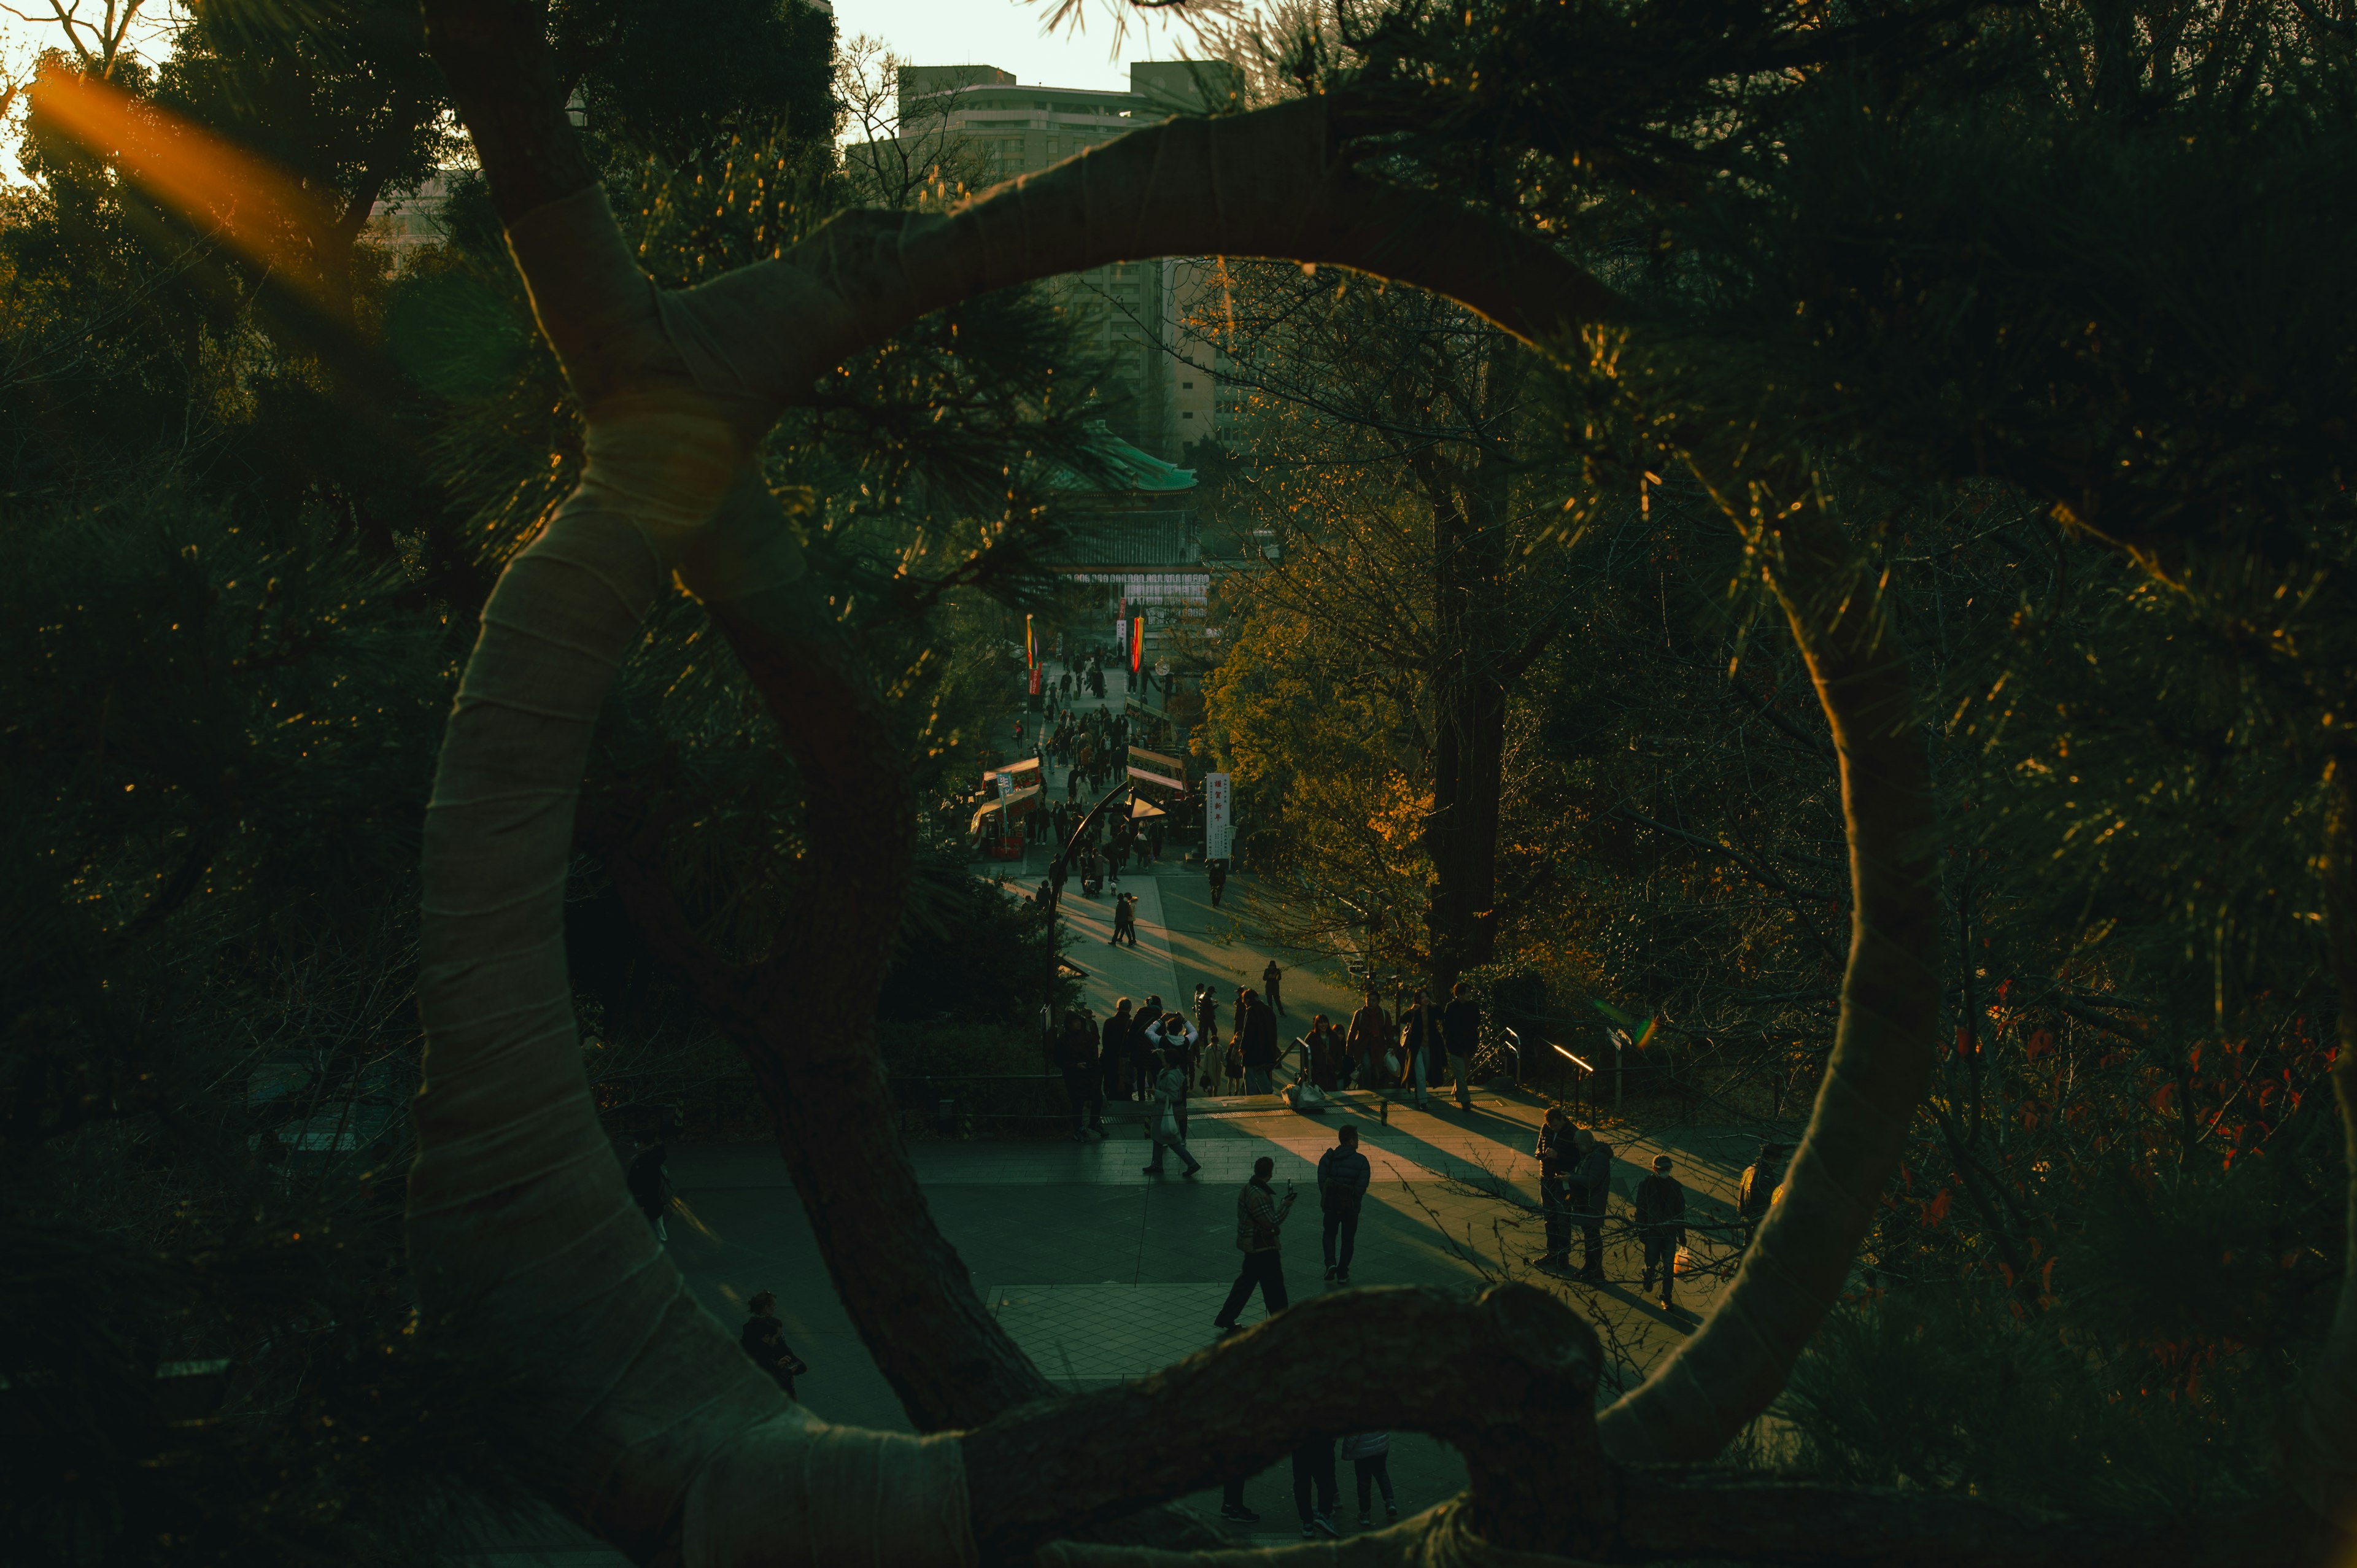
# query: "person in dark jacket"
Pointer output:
{"type": "Point", "coordinates": [1217, 871]}
{"type": "Point", "coordinates": [1125, 918]}
{"type": "Point", "coordinates": [1144, 1046]}
{"type": "Point", "coordinates": [1113, 1057]}
{"type": "Point", "coordinates": [1461, 1032]}
{"type": "Point", "coordinates": [1272, 980]}
{"type": "Point", "coordinates": [1558, 1155]}
{"type": "Point", "coordinates": [1418, 1040]}
{"type": "Point", "coordinates": [1256, 1034]}
{"type": "Point", "coordinates": [1755, 1194]}
{"type": "Point", "coordinates": [1324, 1048]}
{"type": "Point", "coordinates": [1207, 1031]}
{"type": "Point", "coordinates": [1343, 1176]}
{"type": "Point", "coordinates": [1369, 1038]}
{"type": "Point", "coordinates": [1592, 1190]}
{"type": "Point", "coordinates": [1076, 1056]}
{"type": "Point", "coordinates": [1313, 1470]}
{"type": "Point", "coordinates": [764, 1339]}
{"type": "Point", "coordinates": [1662, 1225]}
{"type": "Point", "coordinates": [650, 1185]}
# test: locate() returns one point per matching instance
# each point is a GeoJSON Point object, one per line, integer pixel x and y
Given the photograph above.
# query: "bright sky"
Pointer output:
{"type": "Point", "coordinates": [1005, 33]}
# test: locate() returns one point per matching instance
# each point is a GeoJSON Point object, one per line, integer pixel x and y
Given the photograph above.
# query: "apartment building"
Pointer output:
{"type": "Point", "coordinates": [1163, 392]}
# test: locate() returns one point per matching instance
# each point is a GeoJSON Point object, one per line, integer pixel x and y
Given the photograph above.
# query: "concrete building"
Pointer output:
{"type": "Point", "coordinates": [407, 222]}
{"type": "Point", "coordinates": [1163, 392]}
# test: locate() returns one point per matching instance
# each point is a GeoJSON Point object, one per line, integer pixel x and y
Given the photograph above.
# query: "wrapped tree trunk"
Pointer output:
{"type": "Point", "coordinates": [661, 1435]}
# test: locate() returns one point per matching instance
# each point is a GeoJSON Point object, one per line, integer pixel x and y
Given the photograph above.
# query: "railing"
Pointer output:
{"type": "Point", "coordinates": [954, 1103]}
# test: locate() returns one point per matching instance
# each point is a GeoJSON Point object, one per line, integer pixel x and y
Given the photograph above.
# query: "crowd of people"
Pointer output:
{"type": "Point", "coordinates": [1120, 1057]}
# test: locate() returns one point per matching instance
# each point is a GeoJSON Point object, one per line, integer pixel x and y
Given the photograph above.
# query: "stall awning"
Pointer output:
{"type": "Point", "coordinates": [1153, 767]}
{"type": "Point", "coordinates": [1024, 772]}
{"type": "Point", "coordinates": [1015, 805]}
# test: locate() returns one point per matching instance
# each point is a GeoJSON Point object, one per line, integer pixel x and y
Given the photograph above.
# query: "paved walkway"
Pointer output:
{"type": "Point", "coordinates": [1102, 1272]}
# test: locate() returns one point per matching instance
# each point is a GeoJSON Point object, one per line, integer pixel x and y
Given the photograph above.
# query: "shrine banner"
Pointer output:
{"type": "Point", "coordinates": [1219, 818]}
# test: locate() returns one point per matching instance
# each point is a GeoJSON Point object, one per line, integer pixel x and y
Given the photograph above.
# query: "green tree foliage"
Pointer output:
{"type": "Point", "coordinates": [686, 82]}
{"type": "Point", "coordinates": [246, 547]}
{"type": "Point", "coordinates": [1400, 456]}
{"type": "Point", "coordinates": [2036, 299]}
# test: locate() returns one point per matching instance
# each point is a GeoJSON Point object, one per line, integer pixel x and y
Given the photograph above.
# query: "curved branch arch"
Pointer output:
{"type": "Point", "coordinates": [662, 1432]}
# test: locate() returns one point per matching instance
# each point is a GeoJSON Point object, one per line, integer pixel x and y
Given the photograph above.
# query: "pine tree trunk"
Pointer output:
{"type": "Point", "coordinates": [1469, 510]}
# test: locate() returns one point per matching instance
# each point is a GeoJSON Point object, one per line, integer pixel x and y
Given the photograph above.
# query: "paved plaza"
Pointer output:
{"type": "Point", "coordinates": [1102, 1272]}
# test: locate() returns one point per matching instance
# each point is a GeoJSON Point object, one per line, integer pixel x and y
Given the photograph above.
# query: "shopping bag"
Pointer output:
{"type": "Point", "coordinates": [1684, 1263]}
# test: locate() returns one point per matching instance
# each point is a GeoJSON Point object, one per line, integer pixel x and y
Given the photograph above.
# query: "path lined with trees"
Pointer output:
{"type": "Point", "coordinates": [1942, 414]}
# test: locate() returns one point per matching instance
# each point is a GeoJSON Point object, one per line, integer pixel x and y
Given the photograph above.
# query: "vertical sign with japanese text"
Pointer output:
{"type": "Point", "coordinates": [1219, 818]}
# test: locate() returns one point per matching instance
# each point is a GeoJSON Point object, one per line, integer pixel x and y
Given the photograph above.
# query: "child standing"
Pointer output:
{"type": "Point", "coordinates": [1370, 1453]}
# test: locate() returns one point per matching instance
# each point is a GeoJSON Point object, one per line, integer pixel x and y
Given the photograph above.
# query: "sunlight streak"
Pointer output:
{"type": "Point", "coordinates": [214, 185]}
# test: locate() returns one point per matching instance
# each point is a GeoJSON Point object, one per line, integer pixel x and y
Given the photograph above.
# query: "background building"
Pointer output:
{"type": "Point", "coordinates": [1160, 393]}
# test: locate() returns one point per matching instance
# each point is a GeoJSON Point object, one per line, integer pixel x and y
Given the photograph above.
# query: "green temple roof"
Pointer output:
{"type": "Point", "coordinates": [1128, 469]}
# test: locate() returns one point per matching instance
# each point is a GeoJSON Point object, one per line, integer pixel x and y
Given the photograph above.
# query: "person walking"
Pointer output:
{"type": "Point", "coordinates": [1076, 1055]}
{"type": "Point", "coordinates": [1260, 1224]}
{"type": "Point", "coordinates": [1460, 1031]}
{"type": "Point", "coordinates": [1370, 1453]}
{"type": "Point", "coordinates": [1369, 1037]}
{"type": "Point", "coordinates": [1217, 871]}
{"type": "Point", "coordinates": [1558, 1155]}
{"type": "Point", "coordinates": [1177, 1039]}
{"type": "Point", "coordinates": [1415, 1040]}
{"type": "Point", "coordinates": [1272, 981]}
{"type": "Point", "coordinates": [1143, 1052]}
{"type": "Point", "coordinates": [1591, 1191]}
{"type": "Point", "coordinates": [764, 1339]}
{"type": "Point", "coordinates": [1662, 1226]}
{"type": "Point", "coordinates": [1313, 1469]}
{"type": "Point", "coordinates": [1168, 1129]}
{"type": "Point", "coordinates": [1343, 1176]}
{"type": "Point", "coordinates": [650, 1182]}
{"type": "Point", "coordinates": [1125, 919]}
{"type": "Point", "coordinates": [1206, 1029]}
{"type": "Point", "coordinates": [1112, 1056]}
{"type": "Point", "coordinates": [1256, 1033]}
{"type": "Point", "coordinates": [1762, 1179]}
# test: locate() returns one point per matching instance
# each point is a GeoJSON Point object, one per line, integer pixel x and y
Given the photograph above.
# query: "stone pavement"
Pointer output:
{"type": "Point", "coordinates": [1181, 938]}
{"type": "Point", "coordinates": [1101, 1272]}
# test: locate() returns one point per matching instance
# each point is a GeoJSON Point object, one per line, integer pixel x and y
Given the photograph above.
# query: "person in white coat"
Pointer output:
{"type": "Point", "coordinates": [1175, 1040]}
{"type": "Point", "coordinates": [1169, 1129]}
{"type": "Point", "coordinates": [1370, 1453]}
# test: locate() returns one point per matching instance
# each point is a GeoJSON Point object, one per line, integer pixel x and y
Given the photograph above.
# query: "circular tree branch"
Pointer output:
{"type": "Point", "coordinates": [1507, 1377]}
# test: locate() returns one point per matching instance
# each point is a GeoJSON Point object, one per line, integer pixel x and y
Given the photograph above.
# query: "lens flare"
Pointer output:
{"type": "Point", "coordinates": [214, 185]}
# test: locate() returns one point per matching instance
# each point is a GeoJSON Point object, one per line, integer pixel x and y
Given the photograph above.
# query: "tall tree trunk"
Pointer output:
{"type": "Point", "coordinates": [1469, 505]}
{"type": "Point", "coordinates": [1461, 834]}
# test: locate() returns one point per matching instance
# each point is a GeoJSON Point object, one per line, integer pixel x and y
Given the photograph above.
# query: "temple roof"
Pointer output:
{"type": "Point", "coordinates": [1128, 468]}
